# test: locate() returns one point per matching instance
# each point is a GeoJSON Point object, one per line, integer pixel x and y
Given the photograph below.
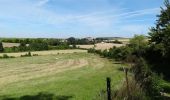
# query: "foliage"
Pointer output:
{"type": "Point", "coordinates": [138, 44]}
{"type": "Point", "coordinates": [27, 55]}
{"type": "Point", "coordinates": [35, 55]}
{"type": "Point", "coordinates": [135, 92]}
{"type": "Point", "coordinates": [160, 35]}
{"type": "Point", "coordinates": [83, 41]}
{"type": "Point", "coordinates": [54, 42]}
{"type": "Point", "coordinates": [119, 53]}
{"type": "Point", "coordinates": [158, 54]}
{"type": "Point", "coordinates": [38, 46]}
{"type": "Point", "coordinates": [133, 53]}
{"type": "Point", "coordinates": [146, 78]}
{"type": "Point", "coordinates": [59, 47]}
{"type": "Point", "coordinates": [6, 56]}
{"type": "Point", "coordinates": [1, 47]}
{"type": "Point", "coordinates": [137, 47]}
{"type": "Point", "coordinates": [116, 42]}
{"type": "Point", "coordinates": [71, 41]}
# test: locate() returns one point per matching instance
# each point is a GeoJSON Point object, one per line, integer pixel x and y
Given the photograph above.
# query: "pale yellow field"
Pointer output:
{"type": "Point", "coordinates": [10, 44]}
{"type": "Point", "coordinates": [124, 40]}
{"type": "Point", "coordinates": [50, 52]}
{"type": "Point", "coordinates": [101, 46]}
{"type": "Point", "coordinates": [85, 46]}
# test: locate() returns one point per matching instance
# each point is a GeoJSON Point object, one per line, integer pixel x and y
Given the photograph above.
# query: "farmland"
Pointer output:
{"type": "Point", "coordinates": [46, 52]}
{"type": "Point", "coordinates": [100, 46]}
{"type": "Point", "coordinates": [75, 76]}
{"type": "Point", "coordinates": [103, 45]}
{"type": "Point", "coordinates": [5, 44]}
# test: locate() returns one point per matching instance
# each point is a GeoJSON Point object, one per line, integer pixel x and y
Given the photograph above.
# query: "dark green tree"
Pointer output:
{"type": "Point", "coordinates": [160, 34]}
{"type": "Point", "coordinates": [1, 47]}
{"type": "Point", "coordinates": [159, 53]}
{"type": "Point", "coordinates": [71, 41]}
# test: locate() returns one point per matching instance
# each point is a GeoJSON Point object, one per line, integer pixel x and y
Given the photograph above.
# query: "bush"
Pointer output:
{"type": "Point", "coordinates": [148, 80]}
{"type": "Point", "coordinates": [38, 46]}
{"type": "Point", "coordinates": [35, 55]}
{"type": "Point", "coordinates": [135, 92]}
{"type": "Point", "coordinates": [117, 42]}
{"type": "Point", "coordinates": [27, 55]}
{"type": "Point", "coordinates": [91, 50]}
{"type": "Point", "coordinates": [6, 56]}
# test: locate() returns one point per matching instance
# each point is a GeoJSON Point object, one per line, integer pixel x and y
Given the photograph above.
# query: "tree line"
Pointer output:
{"type": "Point", "coordinates": [34, 45]}
{"type": "Point", "coordinates": [39, 44]}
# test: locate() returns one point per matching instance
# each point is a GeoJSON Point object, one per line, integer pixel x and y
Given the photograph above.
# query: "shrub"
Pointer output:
{"type": "Point", "coordinates": [91, 50]}
{"type": "Point", "coordinates": [135, 92]}
{"type": "Point", "coordinates": [38, 46]}
{"type": "Point", "coordinates": [35, 55]}
{"type": "Point", "coordinates": [6, 56]}
{"type": "Point", "coordinates": [27, 55]}
{"type": "Point", "coordinates": [148, 80]}
{"type": "Point", "coordinates": [117, 42]}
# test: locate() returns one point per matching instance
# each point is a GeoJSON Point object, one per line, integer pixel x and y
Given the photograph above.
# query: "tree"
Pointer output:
{"type": "Point", "coordinates": [71, 40]}
{"type": "Point", "coordinates": [159, 53]}
{"type": "Point", "coordinates": [138, 44]}
{"type": "Point", "coordinates": [54, 42]}
{"type": "Point", "coordinates": [160, 34]}
{"type": "Point", "coordinates": [22, 46]}
{"type": "Point", "coordinates": [38, 46]}
{"type": "Point", "coordinates": [1, 47]}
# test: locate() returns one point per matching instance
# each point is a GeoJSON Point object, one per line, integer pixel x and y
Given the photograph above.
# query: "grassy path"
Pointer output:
{"type": "Point", "coordinates": [77, 76]}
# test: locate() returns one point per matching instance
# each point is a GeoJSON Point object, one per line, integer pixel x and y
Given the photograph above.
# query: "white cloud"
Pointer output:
{"type": "Point", "coordinates": [42, 2]}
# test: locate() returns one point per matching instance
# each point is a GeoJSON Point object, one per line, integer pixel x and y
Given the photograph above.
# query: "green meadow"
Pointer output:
{"type": "Point", "coordinates": [75, 76]}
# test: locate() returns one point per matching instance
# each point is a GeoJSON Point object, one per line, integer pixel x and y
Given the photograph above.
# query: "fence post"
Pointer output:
{"type": "Point", "coordinates": [108, 88]}
{"type": "Point", "coordinates": [127, 82]}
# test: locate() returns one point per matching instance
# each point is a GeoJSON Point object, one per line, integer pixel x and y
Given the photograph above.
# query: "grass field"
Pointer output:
{"type": "Point", "coordinates": [76, 76]}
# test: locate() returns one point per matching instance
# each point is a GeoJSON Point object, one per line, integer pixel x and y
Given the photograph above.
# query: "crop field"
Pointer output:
{"type": "Point", "coordinates": [10, 44]}
{"type": "Point", "coordinates": [124, 40]}
{"type": "Point", "coordinates": [100, 46]}
{"type": "Point", "coordinates": [103, 46]}
{"type": "Point", "coordinates": [71, 76]}
{"type": "Point", "coordinates": [46, 52]}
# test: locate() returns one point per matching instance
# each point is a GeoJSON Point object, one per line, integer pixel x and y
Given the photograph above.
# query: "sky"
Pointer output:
{"type": "Point", "coordinates": [77, 18]}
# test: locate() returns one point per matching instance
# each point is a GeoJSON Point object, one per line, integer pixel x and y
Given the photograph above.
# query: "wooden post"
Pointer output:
{"type": "Point", "coordinates": [108, 88]}
{"type": "Point", "coordinates": [127, 82]}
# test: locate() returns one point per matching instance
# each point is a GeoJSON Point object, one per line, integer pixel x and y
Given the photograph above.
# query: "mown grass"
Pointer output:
{"type": "Point", "coordinates": [81, 83]}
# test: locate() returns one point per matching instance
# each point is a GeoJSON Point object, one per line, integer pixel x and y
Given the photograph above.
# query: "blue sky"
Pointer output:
{"type": "Point", "coordinates": [78, 18]}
